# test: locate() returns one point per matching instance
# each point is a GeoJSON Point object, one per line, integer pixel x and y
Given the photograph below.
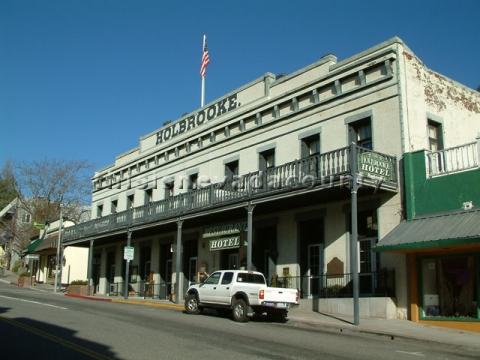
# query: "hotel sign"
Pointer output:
{"type": "Point", "coordinates": [225, 243]}
{"type": "Point", "coordinates": [375, 165]}
{"type": "Point", "coordinates": [190, 122]}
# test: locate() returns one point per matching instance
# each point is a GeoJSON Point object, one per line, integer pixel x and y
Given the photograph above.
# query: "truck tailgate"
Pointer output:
{"type": "Point", "coordinates": [282, 295]}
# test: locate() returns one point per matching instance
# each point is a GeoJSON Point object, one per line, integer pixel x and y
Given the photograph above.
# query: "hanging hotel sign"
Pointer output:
{"type": "Point", "coordinates": [224, 230]}
{"type": "Point", "coordinates": [225, 243]}
{"type": "Point", "coordinates": [375, 165]}
{"type": "Point", "coordinates": [198, 118]}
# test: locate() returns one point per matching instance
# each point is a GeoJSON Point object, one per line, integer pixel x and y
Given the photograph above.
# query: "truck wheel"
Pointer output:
{"type": "Point", "coordinates": [240, 310]}
{"type": "Point", "coordinates": [191, 304]}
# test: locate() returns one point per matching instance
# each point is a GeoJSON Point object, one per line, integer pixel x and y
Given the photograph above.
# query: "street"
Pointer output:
{"type": "Point", "coordinates": [48, 326]}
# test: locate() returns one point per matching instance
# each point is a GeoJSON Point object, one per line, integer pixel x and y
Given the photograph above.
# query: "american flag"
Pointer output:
{"type": "Point", "coordinates": [205, 59]}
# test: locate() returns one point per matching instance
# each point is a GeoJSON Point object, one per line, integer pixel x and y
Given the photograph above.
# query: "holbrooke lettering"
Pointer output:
{"type": "Point", "coordinates": [207, 114]}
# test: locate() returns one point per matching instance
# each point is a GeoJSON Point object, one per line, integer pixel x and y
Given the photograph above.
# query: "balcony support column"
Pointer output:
{"type": "Point", "coordinates": [354, 237]}
{"type": "Point", "coordinates": [127, 267]}
{"type": "Point", "coordinates": [249, 209]}
{"type": "Point", "coordinates": [89, 268]}
{"type": "Point", "coordinates": [178, 263]}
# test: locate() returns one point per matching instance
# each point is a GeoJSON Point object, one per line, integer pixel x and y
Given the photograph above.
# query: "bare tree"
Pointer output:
{"type": "Point", "coordinates": [8, 190]}
{"type": "Point", "coordinates": [47, 184]}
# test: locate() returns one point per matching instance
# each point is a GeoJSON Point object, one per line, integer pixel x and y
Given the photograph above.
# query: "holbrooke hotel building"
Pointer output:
{"type": "Point", "coordinates": [266, 170]}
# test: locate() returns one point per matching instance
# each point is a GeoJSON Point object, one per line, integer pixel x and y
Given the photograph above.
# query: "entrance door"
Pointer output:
{"type": "Point", "coordinates": [168, 278]}
{"type": "Point", "coordinates": [233, 261]}
{"type": "Point", "coordinates": [192, 270]}
{"type": "Point", "coordinates": [315, 268]}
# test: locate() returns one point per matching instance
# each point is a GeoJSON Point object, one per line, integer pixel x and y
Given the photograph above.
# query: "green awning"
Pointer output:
{"type": "Point", "coordinates": [447, 229]}
{"type": "Point", "coordinates": [33, 246]}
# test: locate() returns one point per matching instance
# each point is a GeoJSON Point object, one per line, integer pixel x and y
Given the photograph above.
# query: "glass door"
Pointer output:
{"type": "Point", "coordinates": [315, 268]}
{"type": "Point", "coordinates": [192, 271]}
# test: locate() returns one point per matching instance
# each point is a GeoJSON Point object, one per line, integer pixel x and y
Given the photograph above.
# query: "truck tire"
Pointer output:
{"type": "Point", "coordinates": [240, 310]}
{"type": "Point", "coordinates": [191, 304]}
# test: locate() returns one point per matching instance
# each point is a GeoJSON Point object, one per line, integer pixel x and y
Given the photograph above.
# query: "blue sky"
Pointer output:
{"type": "Point", "coordinates": [84, 79]}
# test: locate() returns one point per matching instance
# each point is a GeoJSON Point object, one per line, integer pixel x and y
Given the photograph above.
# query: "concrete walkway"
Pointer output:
{"type": "Point", "coordinates": [8, 277]}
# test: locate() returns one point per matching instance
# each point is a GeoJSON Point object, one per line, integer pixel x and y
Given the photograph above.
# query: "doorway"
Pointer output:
{"type": "Point", "coordinates": [311, 255]}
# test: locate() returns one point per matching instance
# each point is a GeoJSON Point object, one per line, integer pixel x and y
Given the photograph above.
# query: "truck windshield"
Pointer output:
{"type": "Point", "coordinates": [250, 278]}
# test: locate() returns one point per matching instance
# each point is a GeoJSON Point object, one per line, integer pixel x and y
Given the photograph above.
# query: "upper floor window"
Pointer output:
{"type": "Point", "coordinates": [360, 132]}
{"type": "Point", "coordinates": [435, 140]}
{"type": "Point", "coordinates": [266, 159]}
{"type": "Point", "coordinates": [310, 145]}
{"type": "Point", "coordinates": [148, 196]}
{"type": "Point", "coordinates": [130, 201]}
{"type": "Point", "coordinates": [193, 182]}
{"type": "Point", "coordinates": [114, 206]}
{"type": "Point", "coordinates": [99, 210]}
{"type": "Point", "coordinates": [169, 187]}
{"type": "Point", "coordinates": [231, 169]}
{"type": "Point", "coordinates": [26, 218]}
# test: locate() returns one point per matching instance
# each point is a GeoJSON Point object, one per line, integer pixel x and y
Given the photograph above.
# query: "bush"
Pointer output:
{"type": "Point", "coordinates": [25, 273]}
{"type": "Point", "coordinates": [18, 264]}
{"type": "Point", "coordinates": [79, 282]}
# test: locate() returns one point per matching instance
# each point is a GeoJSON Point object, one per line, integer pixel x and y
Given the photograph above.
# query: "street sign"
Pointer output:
{"type": "Point", "coordinates": [32, 257]}
{"type": "Point", "coordinates": [128, 252]}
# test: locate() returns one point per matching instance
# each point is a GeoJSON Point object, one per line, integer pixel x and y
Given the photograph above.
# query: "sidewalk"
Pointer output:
{"type": "Point", "coordinates": [392, 329]}
{"type": "Point", "coordinates": [8, 277]}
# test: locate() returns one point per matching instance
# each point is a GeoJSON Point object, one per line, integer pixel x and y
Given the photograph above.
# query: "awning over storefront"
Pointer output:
{"type": "Point", "coordinates": [33, 246]}
{"type": "Point", "coordinates": [451, 229]}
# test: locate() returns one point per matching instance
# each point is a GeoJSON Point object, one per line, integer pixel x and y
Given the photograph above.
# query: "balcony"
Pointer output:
{"type": "Point", "coordinates": [453, 160]}
{"type": "Point", "coordinates": [322, 171]}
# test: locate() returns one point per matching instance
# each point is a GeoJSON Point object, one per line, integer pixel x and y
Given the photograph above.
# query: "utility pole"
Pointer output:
{"type": "Point", "coordinates": [59, 242]}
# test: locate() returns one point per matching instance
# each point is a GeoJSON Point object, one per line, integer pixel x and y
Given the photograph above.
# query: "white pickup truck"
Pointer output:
{"type": "Point", "coordinates": [239, 291]}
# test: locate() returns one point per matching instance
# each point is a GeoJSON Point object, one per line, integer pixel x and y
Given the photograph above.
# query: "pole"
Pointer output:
{"type": "Point", "coordinates": [249, 236]}
{"type": "Point", "coordinates": [127, 268]}
{"type": "Point", "coordinates": [178, 263]}
{"type": "Point", "coordinates": [202, 101]}
{"type": "Point", "coordinates": [59, 241]}
{"type": "Point", "coordinates": [90, 269]}
{"type": "Point", "coordinates": [354, 238]}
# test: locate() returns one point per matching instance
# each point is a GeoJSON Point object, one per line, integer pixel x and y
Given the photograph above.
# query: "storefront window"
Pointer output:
{"type": "Point", "coordinates": [450, 287]}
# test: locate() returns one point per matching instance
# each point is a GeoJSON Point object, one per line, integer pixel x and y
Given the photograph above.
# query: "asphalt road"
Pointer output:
{"type": "Point", "coordinates": [37, 325]}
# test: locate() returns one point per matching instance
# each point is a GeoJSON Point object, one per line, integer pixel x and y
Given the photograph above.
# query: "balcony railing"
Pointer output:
{"type": "Point", "coordinates": [451, 160]}
{"type": "Point", "coordinates": [322, 170]}
{"type": "Point", "coordinates": [372, 284]}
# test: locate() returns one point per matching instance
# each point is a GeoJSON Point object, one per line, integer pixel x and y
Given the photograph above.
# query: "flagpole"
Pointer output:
{"type": "Point", "coordinates": [203, 77]}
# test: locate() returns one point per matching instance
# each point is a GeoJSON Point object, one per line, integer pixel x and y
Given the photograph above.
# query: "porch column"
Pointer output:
{"type": "Point", "coordinates": [127, 267]}
{"type": "Point", "coordinates": [103, 283]}
{"type": "Point", "coordinates": [249, 209]}
{"type": "Point", "coordinates": [354, 238]}
{"type": "Point", "coordinates": [178, 264]}
{"type": "Point", "coordinates": [89, 269]}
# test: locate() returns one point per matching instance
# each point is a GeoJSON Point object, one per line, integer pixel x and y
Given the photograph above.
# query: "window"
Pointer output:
{"type": "Point", "coordinates": [130, 201]}
{"type": "Point", "coordinates": [148, 196]}
{"type": "Point", "coordinates": [169, 188]}
{"type": "Point", "coordinates": [360, 132]}
{"type": "Point", "coordinates": [435, 140]}
{"type": "Point", "coordinates": [450, 287]}
{"type": "Point", "coordinates": [227, 278]}
{"type": "Point", "coordinates": [26, 218]}
{"type": "Point", "coordinates": [99, 210]}
{"type": "Point", "coordinates": [250, 278]}
{"type": "Point", "coordinates": [113, 207]}
{"type": "Point", "coordinates": [267, 159]}
{"type": "Point", "coordinates": [231, 169]}
{"type": "Point", "coordinates": [310, 145]}
{"type": "Point", "coordinates": [213, 279]}
{"type": "Point", "coordinates": [193, 182]}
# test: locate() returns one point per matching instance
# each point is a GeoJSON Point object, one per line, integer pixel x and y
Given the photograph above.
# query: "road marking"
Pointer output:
{"type": "Point", "coordinates": [33, 302]}
{"type": "Point", "coordinates": [55, 339]}
{"type": "Point", "coordinates": [413, 353]}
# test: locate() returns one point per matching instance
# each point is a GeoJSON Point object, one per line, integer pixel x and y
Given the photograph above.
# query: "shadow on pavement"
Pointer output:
{"type": "Point", "coordinates": [24, 338]}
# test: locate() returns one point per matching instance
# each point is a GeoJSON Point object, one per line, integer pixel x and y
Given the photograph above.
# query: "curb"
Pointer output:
{"type": "Point", "coordinates": [149, 303]}
{"type": "Point", "coordinates": [318, 326]}
{"type": "Point", "coordinates": [87, 297]}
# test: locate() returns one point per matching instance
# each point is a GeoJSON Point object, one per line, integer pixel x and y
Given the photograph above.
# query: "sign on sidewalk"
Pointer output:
{"type": "Point", "coordinates": [128, 253]}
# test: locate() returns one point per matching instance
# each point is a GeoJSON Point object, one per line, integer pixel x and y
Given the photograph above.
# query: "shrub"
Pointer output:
{"type": "Point", "coordinates": [18, 264]}
{"type": "Point", "coordinates": [79, 282]}
{"type": "Point", "coordinates": [25, 273]}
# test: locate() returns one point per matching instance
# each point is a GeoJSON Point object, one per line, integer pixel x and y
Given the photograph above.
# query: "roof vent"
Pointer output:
{"type": "Point", "coordinates": [468, 205]}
